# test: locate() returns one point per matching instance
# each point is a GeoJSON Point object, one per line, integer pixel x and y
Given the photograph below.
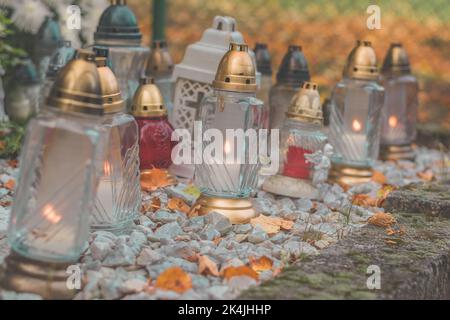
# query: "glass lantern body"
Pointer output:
{"type": "Point", "coordinates": [263, 95]}
{"type": "Point", "coordinates": [118, 194]}
{"type": "Point", "coordinates": [128, 64]}
{"type": "Point", "coordinates": [280, 97]}
{"type": "Point", "coordinates": [297, 140]}
{"type": "Point", "coordinates": [355, 122]}
{"type": "Point", "coordinates": [165, 85]}
{"type": "Point", "coordinates": [400, 110]}
{"type": "Point", "coordinates": [234, 177]}
{"type": "Point", "coordinates": [155, 145]}
{"type": "Point", "coordinates": [57, 180]}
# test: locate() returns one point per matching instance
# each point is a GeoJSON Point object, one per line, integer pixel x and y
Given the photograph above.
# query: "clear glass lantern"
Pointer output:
{"type": "Point", "coordinates": [59, 59]}
{"type": "Point", "coordinates": [160, 67]}
{"type": "Point", "coordinates": [300, 136]}
{"type": "Point", "coordinates": [194, 75]}
{"type": "Point", "coordinates": [292, 72]}
{"type": "Point", "coordinates": [23, 93]}
{"type": "Point", "coordinates": [264, 65]}
{"type": "Point", "coordinates": [118, 194]}
{"type": "Point", "coordinates": [55, 190]}
{"type": "Point", "coordinates": [155, 131]}
{"type": "Point", "coordinates": [226, 184]}
{"type": "Point", "coordinates": [398, 129]}
{"type": "Point", "coordinates": [118, 31]}
{"type": "Point", "coordinates": [355, 120]}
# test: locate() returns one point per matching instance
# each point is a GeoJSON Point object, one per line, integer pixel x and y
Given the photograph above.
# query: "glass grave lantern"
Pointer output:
{"type": "Point", "coordinates": [227, 178]}
{"type": "Point", "coordinates": [160, 67]}
{"type": "Point", "coordinates": [118, 31]}
{"type": "Point", "coordinates": [398, 129]}
{"type": "Point", "coordinates": [23, 93]}
{"type": "Point", "coordinates": [49, 223]}
{"type": "Point", "coordinates": [118, 196]}
{"type": "Point", "coordinates": [355, 120]}
{"type": "Point", "coordinates": [193, 77]}
{"type": "Point", "coordinates": [155, 131]}
{"type": "Point", "coordinates": [292, 72]}
{"type": "Point", "coordinates": [264, 65]}
{"type": "Point", "coordinates": [301, 135]}
{"type": "Point", "coordinates": [59, 59]}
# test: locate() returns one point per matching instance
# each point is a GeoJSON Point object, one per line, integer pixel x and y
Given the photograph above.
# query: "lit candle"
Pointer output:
{"type": "Point", "coordinates": [108, 193]}
{"type": "Point", "coordinates": [354, 142]}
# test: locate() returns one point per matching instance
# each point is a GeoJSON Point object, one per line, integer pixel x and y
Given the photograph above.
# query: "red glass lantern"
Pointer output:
{"type": "Point", "coordinates": [155, 131]}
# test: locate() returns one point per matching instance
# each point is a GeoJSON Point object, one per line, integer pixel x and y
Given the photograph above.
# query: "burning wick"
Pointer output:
{"type": "Point", "coordinates": [393, 121]}
{"type": "Point", "coordinates": [50, 214]}
{"type": "Point", "coordinates": [107, 168]}
{"type": "Point", "coordinates": [356, 126]}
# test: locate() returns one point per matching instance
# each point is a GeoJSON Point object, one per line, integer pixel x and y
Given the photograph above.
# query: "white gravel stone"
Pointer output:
{"type": "Point", "coordinates": [170, 230]}
{"type": "Point", "coordinates": [257, 235]}
{"type": "Point", "coordinates": [243, 228]}
{"type": "Point", "coordinates": [148, 256]}
{"type": "Point", "coordinates": [219, 222]}
{"type": "Point", "coordinates": [163, 216]}
{"type": "Point", "coordinates": [122, 255]}
{"type": "Point", "coordinates": [240, 283]}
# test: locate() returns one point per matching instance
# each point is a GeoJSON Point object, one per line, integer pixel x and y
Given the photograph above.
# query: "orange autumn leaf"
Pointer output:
{"type": "Point", "coordinates": [151, 206]}
{"type": "Point", "coordinates": [10, 184]}
{"type": "Point", "coordinates": [13, 163]}
{"type": "Point", "coordinates": [382, 219]}
{"type": "Point", "coordinates": [174, 279]}
{"type": "Point", "coordinates": [207, 267]}
{"type": "Point", "coordinates": [271, 225]}
{"type": "Point", "coordinates": [231, 272]}
{"type": "Point", "coordinates": [177, 204]}
{"type": "Point", "coordinates": [156, 178]}
{"type": "Point", "coordinates": [426, 175]}
{"type": "Point", "coordinates": [261, 264]}
{"type": "Point", "coordinates": [379, 177]}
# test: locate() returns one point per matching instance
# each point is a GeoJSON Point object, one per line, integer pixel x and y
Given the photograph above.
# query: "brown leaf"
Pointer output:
{"type": "Point", "coordinates": [151, 206]}
{"type": "Point", "coordinates": [174, 279]}
{"type": "Point", "coordinates": [13, 163]}
{"type": "Point", "coordinates": [382, 219]}
{"type": "Point", "coordinates": [231, 271]}
{"type": "Point", "coordinates": [261, 264]}
{"type": "Point", "coordinates": [271, 225]}
{"type": "Point", "coordinates": [155, 178]}
{"type": "Point", "coordinates": [177, 204]}
{"type": "Point", "coordinates": [426, 175]}
{"type": "Point", "coordinates": [10, 184]}
{"type": "Point", "coordinates": [379, 177]}
{"type": "Point", "coordinates": [207, 267]}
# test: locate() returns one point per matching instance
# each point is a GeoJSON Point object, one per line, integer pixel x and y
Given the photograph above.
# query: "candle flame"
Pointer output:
{"type": "Point", "coordinates": [107, 168]}
{"type": "Point", "coordinates": [393, 121]}
{"type": "Point", "coordinates": [50, 214]}
{"type": "Point", "coordinates": [356, 125]}
{"type": "Point", "coordinates": [227, 147]}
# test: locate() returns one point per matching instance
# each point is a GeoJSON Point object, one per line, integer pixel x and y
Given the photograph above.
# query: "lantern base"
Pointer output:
{"type": "Point", "coordinates": [290, 187]}
{"type": "Point", "coordinates": [348, 175]}
{"type": "Point", "coordinates": [238, 210]}
{"type": "Point", "coordinates": [49, 280]}
{"type": "Point", "coordinates": [397, 152]}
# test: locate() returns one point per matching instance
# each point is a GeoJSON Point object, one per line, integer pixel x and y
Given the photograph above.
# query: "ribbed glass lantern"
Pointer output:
{"type": "Point", "coordinates": [301, 135]}
{"type": "Point", "coordinates": [400, 106]}
{"type": "Point", "coordinates": [292, 72]}
{"type": "Point", "coordinates": [49, 224]}
{"type": "Point", "coordinates": [355, 121]}
{"type": "Point", "coordinates": [118, 194]}
{"type": "Point", "coordinates": [118, 31]}
{"type": "Point", "coordinates": [264, 65]}
{"type": "Point", "coordinates": [227, 184]}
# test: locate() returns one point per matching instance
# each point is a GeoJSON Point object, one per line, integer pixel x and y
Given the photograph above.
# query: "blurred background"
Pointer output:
{"type": "Point", "coordinates": [327, 30]}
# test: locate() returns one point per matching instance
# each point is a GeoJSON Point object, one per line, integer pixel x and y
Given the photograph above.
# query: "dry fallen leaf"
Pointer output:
{"type": "Point", "coordinates": [230, 272]}
{"type": "Point", "coordinates": [151, 206]}
{"type": "Point", "coordinates": [177, 204]}
{"type": "Point", "coordinates": [174, 279]}
{"type": "Point", "coordinates": [379, 177]}
{"type": "Point", "coordinates": [271, 225]}
{"type": "Point", "coordinates": [13, 163]}
{"type": "Point", "coordinates": [261, 264]}
{"type": "Point", "coordinates": [155, 178]}
{"type": "Point", "coordinates": [382, 219]}
{"type": "Point", "coordinates": [207, 267]}
{"type": "Point", "coordinates": [426, 175]}
{"type": "Point", "coordinates": [10, 184]}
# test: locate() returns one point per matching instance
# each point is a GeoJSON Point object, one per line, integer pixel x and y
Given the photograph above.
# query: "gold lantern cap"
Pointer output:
{"type": "Point", "coordinates": [236, 71]}
{"type": "Point", "coordinates": [362, 62]}
{"type": "Point", "coordinates": [83, 87]}
{"type": "Point", "coordinates": [396, 61]}
{"type": "Point", "coordinates": [159, 62]}
{"type": "Point", "coordinates": [305, 105]}
{"type": "Point", "coordinates": [148, 100]}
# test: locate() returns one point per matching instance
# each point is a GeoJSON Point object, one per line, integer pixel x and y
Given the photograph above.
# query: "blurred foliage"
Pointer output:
{"type": "Point", "coordinates": [9, 55]}
{"type": "Point", "coordinates": [327, 31]}
{"type": "Point", "coordinates": [11, 136]}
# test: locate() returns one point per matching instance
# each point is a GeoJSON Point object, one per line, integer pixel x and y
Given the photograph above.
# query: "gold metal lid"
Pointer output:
{"type": "Point", "coordinates": [362, 62]}
{"type": "Point", "coordinates": [148, 100]}
{"type": "Point", "coordinates": [396, 61]}
{"type": "Point", "coordinates": [159, 62]}
{"type": "Point", "coordinates": [236, 71]}
{"type": "Point", "coordinates": [305, 105]}
{"type": "Point", "coordinates": [83, 87]}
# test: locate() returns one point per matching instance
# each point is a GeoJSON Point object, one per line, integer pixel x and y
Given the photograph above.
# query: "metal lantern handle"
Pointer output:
{"type": "Point", "coordinates": [224, 23]}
